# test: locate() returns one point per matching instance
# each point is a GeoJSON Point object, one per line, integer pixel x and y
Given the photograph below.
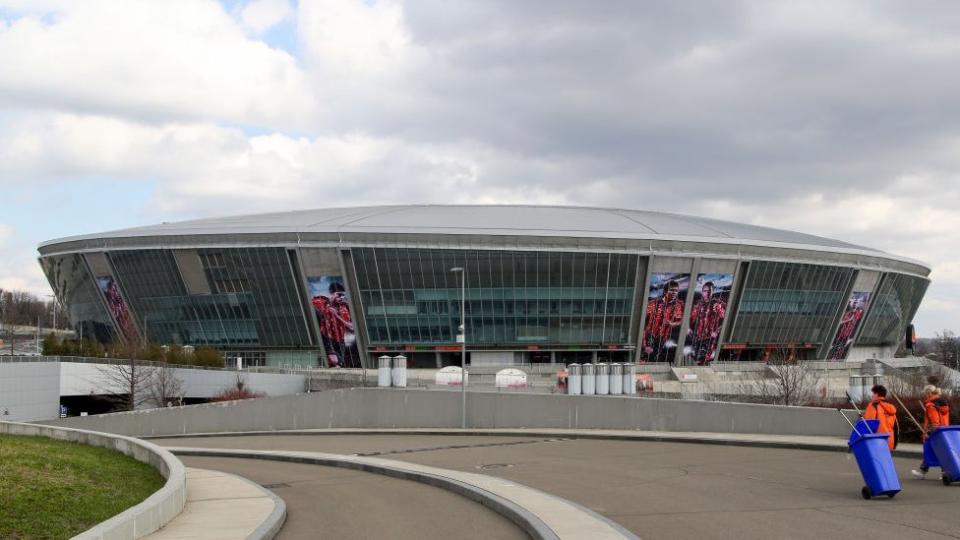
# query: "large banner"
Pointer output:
{"type": "Point", "coordinates": [329, 298]}
{"type": "Point", "coordinates": [118, 308]}
{"type": "Point", "coordinates": [661, 332]}
{"type": "Point", "coordinates": [710, 299]}
{"type": "Point", "coordinates": [849, 323]}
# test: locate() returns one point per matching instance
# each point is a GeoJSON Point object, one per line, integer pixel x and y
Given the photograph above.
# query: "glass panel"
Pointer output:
{"type": "Point", "coordinates": [512, 297]}
{"type": "Point", "coordinates": [787, 303]}
{"type": "Point", "coordinates": [892, 310]}
{"type": "Point", "coordinates": [77, 292]}
{"type": "Point", "coordinates": [253, 299]}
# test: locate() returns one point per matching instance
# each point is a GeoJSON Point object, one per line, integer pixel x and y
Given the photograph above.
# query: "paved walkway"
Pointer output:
{"type": "Point", "coordinates": [223, 506]}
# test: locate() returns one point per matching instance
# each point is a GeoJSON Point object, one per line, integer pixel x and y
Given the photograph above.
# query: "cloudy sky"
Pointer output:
{"type": "Point", "coordinates": [834, 118]}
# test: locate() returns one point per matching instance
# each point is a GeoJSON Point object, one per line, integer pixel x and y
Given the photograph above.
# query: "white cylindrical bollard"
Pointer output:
{"type": "Point", "coordinates": [616, 379]}
{"type": "Point", "coordinates": [589, 379]}
{"type": "Point", "coordinates": [603, 379]}
{"type": "Point", "coordinates": [574, 380]}
{"type": "Point", "coordinates": [630, 378]}
{"type": "Point", "coordinates": [399, 371]}
{"type": "Point", "coordinates": [383, 371]}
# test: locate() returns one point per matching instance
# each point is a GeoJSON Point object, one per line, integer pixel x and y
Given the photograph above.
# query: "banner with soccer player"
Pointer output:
{"type": "Point", "coordinates": [849, 323]}
{"type": "Point", "coordinates": [710, 297]}
{"type": "Point", "coordinates": [661, 332]}
{"type": "Point", "coordinates": [118, 308]}
{"type": "Point", "coordinates": [328, 295]}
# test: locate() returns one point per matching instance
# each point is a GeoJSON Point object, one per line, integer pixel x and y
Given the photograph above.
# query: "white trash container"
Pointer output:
{"type": "Point", "coordinates": [399, 371]}
{"type": "Point", "coordinates": [603, 379]}
{"type": "Point", "coordinates": [855, 390]}
{"type": "Point", "coordinates": [574, 380]}
{"type": "Point", "coordinates": [589, 380]}
{"type": "Point", "coordinates": [630, 378]}
{"type": "Point", "coordinates": [866, 383]}
{"type": "Point", "coordinates": [383, 371]}
{"type": "Point", "coordinates": [449, 376]}
{"type": "Point", "coordinates": [616, 379]}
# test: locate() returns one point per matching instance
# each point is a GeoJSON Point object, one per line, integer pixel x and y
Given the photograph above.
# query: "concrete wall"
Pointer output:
{"type": "Point", "coordinates": [29, 391]}
{"type": "Point", "coordinates": [81, 379]}
{"type": "Point", "coordinates": [394, 408]}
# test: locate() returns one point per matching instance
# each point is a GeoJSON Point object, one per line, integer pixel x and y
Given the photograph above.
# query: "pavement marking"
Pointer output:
{"type": "Point", "coordinates": [455, 447]}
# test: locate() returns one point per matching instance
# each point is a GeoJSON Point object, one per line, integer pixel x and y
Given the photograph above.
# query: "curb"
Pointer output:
{"type": "Point", "coordinates": [784, 442]}
{"type": "Point", "coordinates": [526, 519]}
{"type": "Point", "coordinates": [272, 525]}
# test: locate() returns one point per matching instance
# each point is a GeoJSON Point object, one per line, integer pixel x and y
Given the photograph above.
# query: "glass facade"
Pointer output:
{"type": "Point", "coordinates": [256, 303]}
{"type": "Point", "coordinates": [77, 291]}
{"type": "Point", "coordinates": [789, 303]}
{"type": "Point", "coordinates": [893, 308]}
{"type": "Point", "coordinates": [253, 299]}
{"type": "Point", "coordinates": [410, 296]}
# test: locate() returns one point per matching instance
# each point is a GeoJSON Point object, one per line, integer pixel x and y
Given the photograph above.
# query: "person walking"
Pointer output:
{"type": "Point", "coordinates": [936, 413]}
{"type": "Point", "coordinates": [885, 412]}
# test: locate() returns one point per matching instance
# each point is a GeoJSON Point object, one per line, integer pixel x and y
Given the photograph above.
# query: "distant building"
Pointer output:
{"type": "Point", "coordinates": [340, 286]}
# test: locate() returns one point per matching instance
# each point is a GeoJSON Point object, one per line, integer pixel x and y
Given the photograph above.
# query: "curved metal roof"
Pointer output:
{"type": "Point", "coordinates": [504, 220]}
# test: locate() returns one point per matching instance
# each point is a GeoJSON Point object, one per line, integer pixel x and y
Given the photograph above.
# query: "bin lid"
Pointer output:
{"type": "Point", "coordinates": [859, 440]}
{"type": "Point", "coordinates": [864, 427]}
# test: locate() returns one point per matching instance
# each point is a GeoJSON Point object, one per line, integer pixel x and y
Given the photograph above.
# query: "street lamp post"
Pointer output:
{"type": "Point", "coordinates": [463, 340]}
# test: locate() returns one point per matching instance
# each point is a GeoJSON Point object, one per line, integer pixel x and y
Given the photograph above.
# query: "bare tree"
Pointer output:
{"type": "Point", "coordinates": [164, 386]}
{"type": "Point", "coordinates": [947, 347]}
{"type": "Point", "coordinates": [128, 382]}
{"type": "Point", "coordinates": [785, 381]}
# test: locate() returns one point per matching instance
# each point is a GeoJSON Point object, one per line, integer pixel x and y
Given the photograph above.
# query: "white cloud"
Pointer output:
{"type": "Point", "coordinates": [155, 61]}
{"type": "Point", "coordinates": [837, 120]}
{"type": "Point", "coordinates": [260, 15]}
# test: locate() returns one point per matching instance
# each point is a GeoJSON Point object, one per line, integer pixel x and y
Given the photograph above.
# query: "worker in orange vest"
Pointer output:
{"type": "Point", "coordinates": [936, 413]}
{"type": "Point", "coordinates": [885, 412]}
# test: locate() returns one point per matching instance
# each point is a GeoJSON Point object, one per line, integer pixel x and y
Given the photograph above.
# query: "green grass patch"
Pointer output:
{"type": "Point", "coordinates": [54, 489]}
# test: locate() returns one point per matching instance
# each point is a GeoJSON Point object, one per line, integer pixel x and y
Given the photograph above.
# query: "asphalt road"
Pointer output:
{"type": "Point", "coordinates": [666, 490]}
{"type": "Point", "coordinates": [333, 503]}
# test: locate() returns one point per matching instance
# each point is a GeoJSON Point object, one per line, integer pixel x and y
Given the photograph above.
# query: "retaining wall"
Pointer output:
{"type": "Point", "coordinates": [140, 520]}
{"type": "Point", "coordinates": [29, 391]}
{"type": "Point", "coordinates": [396, 408]}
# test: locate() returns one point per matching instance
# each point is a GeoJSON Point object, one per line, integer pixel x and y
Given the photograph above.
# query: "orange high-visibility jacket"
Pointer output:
{"type": "Point", "coordinates": [886, 413]}
{"type": "Point", "coordinates": [936, 413]}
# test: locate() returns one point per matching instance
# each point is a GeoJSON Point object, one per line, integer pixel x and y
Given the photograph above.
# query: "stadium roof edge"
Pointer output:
{"type": "Point", "coordinates": [499, 220]}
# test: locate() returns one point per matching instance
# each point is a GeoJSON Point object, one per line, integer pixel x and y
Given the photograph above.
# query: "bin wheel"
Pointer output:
{"type": "Point", "coordinates": [946, 479]}
{"type": "Point", "coordinates": [891, 495]}
{"type": "Point", "coordinates": [865, 493]}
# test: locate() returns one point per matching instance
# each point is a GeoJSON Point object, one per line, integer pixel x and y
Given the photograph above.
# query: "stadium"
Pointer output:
{"type": "Point", "coordinates": [536, 284]}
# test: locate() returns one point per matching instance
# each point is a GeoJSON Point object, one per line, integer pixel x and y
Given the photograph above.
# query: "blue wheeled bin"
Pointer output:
{"type": "Point", "coordinates": [875, 461]}
{"type": "Point", "coordinates": [929, 456]}
{"type": "Point", "coordinates": [945, 442]}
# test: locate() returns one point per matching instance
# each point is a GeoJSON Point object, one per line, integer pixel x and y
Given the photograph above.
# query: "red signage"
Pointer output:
{"type": "Point", "coordinates": [533, 347]}
{"type": "Point", "coordinates": [447, 348]}
{"type": "Point", "coordinates": [613, 347]}
{"type": "Point", "coordinates": [735, 346]}
{"type": "Point", "coordinates": [380, 349]}
{"type": "Point", "coordinates": [410, 348]}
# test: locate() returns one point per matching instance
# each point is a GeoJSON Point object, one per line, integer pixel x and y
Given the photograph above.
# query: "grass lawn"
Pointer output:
{"type": "Point", "coordinates": [52, 489]}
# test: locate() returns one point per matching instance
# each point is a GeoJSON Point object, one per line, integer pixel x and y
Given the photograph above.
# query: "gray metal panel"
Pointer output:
{"type": "Point", "coordinates": [489, 220]}
{"type": "Point", "coordinates": [191, 271]}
